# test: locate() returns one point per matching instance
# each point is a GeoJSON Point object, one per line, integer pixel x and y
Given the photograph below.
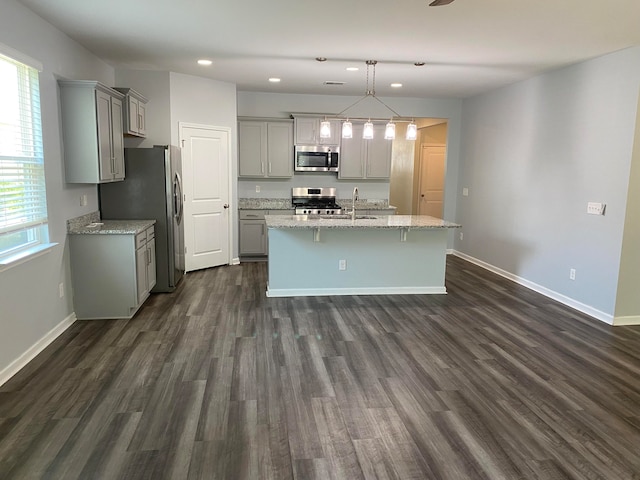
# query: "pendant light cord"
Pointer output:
{"type": "Point", "coordinates": [372, 92]}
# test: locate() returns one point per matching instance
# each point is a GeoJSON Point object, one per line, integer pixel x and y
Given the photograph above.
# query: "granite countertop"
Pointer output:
{"type": "Point", "coordinates": [414, 222]}
{"type": "Point", "coordinates": [285, 204]}
{"type": "Point", "coordinates": [265, 204]}
{"type": "Point", "coordinates": [112, 227]}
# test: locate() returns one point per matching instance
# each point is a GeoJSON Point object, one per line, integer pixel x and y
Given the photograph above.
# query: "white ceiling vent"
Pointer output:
{"type": "Point", "coordinates": [334, 82]}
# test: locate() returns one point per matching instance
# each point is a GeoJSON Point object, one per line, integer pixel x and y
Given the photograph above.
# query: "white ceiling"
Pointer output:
{"type": "Point", "coordinates": [469, 46]}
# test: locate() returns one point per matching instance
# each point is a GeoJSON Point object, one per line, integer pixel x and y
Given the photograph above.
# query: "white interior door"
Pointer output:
{"type": "Point", "coordinates": [205, 164]}
{"type": "Point", "coordinates": [431, 194]}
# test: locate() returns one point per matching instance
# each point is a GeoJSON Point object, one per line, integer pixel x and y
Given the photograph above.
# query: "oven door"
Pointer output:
{"type": "Point", "coordinates": [316, 159]}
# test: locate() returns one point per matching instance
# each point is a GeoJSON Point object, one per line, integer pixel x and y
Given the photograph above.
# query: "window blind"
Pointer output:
{"type": "Point", "coordinates": [23, 203]}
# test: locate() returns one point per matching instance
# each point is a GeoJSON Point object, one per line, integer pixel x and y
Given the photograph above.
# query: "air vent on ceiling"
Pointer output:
{"type": "Point", "coordinates": [333, 82]}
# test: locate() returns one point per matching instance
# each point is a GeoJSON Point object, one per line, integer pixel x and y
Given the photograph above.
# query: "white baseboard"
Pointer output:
{"type": "Point", "coordinates": [629, 320]}
{"type": "Point", "coordinates": [15, 366]}
{"type": "Point", "coordinates": [319, 292]}
{"type": "Point", "coordinates": [570, 302]}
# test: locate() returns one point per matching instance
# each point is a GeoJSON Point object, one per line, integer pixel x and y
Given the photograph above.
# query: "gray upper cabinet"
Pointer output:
{"type": "Point", "coordinates": [307, 131]}
{"type": "Point", "coordinates": [92, 132]}
{"type": "Point", "coordinates": [265, 148]}
{"type": "Point", "coordinates": [365, 159]}
{"type": "Point", "coordinates": [135, 112]}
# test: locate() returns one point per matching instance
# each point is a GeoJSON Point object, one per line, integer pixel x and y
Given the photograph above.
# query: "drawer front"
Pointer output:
{"type": "Point", "coordinates": [151, 233]}
{"type": "Point", "coordinates": [253, 214]}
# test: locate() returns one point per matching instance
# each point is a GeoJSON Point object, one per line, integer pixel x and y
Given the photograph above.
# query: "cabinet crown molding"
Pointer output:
{"type": "Point", "coordinates": [93, 84]}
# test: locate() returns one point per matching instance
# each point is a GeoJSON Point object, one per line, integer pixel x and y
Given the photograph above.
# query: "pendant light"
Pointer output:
{"type": "Point", "coordinates": [367, 131]}
{"type": "Point", "coordinates": [347, 129]}
{"type": "Point", "coordinates": [325, 129]}
{"type": "Point", "coordinates": [412, 131]}
{"type": "Point", "coordinates": [390, 131]}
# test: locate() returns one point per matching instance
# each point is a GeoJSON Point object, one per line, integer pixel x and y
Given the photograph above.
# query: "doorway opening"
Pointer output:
{"type": "Point", "coordinates": [418, 169]}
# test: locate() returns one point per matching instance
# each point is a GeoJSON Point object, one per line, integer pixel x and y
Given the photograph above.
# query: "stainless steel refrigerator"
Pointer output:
{"type": "Point", "coordinates": [152, 189]}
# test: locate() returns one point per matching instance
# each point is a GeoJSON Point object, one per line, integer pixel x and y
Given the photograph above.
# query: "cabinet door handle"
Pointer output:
{"type": "Point", "coordinates": [269, 167]}
{"type": "Point", "coordinates": [262, 168]}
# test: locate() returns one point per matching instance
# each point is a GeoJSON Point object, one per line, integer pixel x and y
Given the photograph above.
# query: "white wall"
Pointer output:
{"type": "Point", "coordinates": [255, 104]}
{"type": "Point", "coordinates": [533, 154]}
{"type": "Point", "coordinates": [203, 101]}
{"type": "Point", "coordinates": [29, 302]}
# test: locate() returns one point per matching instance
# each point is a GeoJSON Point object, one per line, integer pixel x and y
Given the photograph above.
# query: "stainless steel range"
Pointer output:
{"type": "Point", "coordinates": [315, 201]}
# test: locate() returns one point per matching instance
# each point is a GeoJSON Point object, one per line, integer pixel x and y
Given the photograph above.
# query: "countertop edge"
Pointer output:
{"type": "Point", "coordinates": [113, 227]}
{"type": "Point", "coordinates": [388, 222]}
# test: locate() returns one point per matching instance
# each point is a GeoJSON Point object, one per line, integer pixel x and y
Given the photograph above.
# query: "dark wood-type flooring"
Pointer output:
{"type": "Point", "coordinates": [216, 381]}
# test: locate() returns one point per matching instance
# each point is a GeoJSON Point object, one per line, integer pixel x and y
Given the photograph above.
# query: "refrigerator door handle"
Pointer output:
{"type": "Point", "coordinates": [177, 198]}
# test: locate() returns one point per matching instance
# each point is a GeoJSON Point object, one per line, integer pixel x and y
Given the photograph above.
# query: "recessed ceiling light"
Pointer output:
{"type": "Point", "coordinates": [352, 69]}
{"type": "Point", "coordinates": [321, 59]}
{"type": "Point", "coordinates": [274, 80]}
{"type": "Point", "coordinates": [396, 85]}
{"type": "Point", "coordinates": [204, 62]}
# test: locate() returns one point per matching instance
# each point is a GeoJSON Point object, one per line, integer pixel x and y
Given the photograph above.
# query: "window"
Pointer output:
{"type": "Point", "coordinates": [23, 202]}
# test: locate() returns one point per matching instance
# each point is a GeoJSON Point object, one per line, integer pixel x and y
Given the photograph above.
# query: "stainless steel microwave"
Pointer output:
{"type": "Point", "coordinates": [316, 158]}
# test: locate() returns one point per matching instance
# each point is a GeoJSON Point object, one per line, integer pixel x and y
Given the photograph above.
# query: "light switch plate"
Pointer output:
{"type": "Point", "coordinates": [465, 192]}
{"type": "Point", "coordinates": [595, 208]}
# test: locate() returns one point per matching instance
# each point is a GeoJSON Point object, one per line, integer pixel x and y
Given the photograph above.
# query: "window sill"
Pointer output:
{"type": "Point", "coordinates": [25, 255]}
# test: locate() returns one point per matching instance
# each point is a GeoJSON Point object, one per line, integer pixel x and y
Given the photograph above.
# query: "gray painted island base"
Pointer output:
{"type": "Point", "coordinates": [381, 256]}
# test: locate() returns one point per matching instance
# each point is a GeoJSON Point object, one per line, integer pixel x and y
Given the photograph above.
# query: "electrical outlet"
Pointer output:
{"type": "Point", "coordinates": [595, 208]}
{"type": "Point", "coordinates": [61, 289]}
{"type": "Point", "coordinates": [83, 200]}
{"type": "Point", "coordinates": [461, 235]}
{"type": "Point", "coordinates": [465, 192]}
{"type": "Point", "coordinates": [257, 188]}
{"type": "Point", "coordinates": [572, 274]}
{"type": "Point", "coordinates": [342, 265]}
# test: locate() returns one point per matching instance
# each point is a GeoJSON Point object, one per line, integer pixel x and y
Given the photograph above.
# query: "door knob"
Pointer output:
{"type": "Point", "coordinates": [226, 205]}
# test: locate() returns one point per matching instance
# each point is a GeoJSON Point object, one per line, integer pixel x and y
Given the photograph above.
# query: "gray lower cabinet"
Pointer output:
{"type": "Point", "coordinates": [145, 263]}
{"type": "Point", "coordinates": [253, 231]}
{"type": "Point", "coordinates": [92, 132]}
{"type": "Point", "coordinates": [112, 274]}
{"type": "Point", "coordinates": [365, 159]}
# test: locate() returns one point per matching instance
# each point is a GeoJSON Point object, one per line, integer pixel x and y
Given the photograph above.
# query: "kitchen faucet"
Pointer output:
{"type": "Point", "coordinates": [354, 197]}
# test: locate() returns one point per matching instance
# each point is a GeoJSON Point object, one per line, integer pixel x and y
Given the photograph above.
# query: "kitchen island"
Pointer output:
{"type": "Point", "coordinates": [369, 255]}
